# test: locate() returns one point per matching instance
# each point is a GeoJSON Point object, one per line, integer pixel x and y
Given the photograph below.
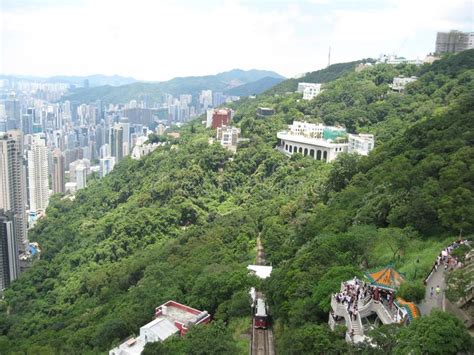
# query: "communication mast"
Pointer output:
{"type": "Point", "coordinates": [329, 56]}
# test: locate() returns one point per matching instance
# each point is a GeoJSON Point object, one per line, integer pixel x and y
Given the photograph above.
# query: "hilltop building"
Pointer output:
{"type": "Point", "coordinates": [171, 319]}
{"type": "Point", "coordinates": [141, 149]}
{"type": "Point", "coordinates": [454, 42]}
{"type": "Point", "coordinates": [393, 59]}
{"type": "Point", "coordinates": [400, 82]}
{"type": "Point", "coordinates": [322, 142]}
{"type": "Point", "coordinates": [219, 117]}
{"type": "Point", "coordinates": [309, 90]}
{"type": "Point", "coordinates": [228, 137]}
{"type": "Point", "coordinates": [263, 112]}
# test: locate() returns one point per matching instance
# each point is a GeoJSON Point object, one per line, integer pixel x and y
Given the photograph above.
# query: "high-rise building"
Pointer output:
{"type": "Point", "coordinates": [38, 183]}
{"type": "Point", "coordinates": [13, 111]}
{"type": "Point", "coordinates": [454, 41]}
{"type": "Point", "coordinates": [13, 183]}
{"type": "Point", "coordinates": [117, 141]}
{"type": "Point", "coordinates": [106, 166]}
{"type": "Point", "coordinates": [27, 121]}
{"type": "Point", "coordinates": [58, 171]}
{"type": "Point", "coordinates": [9, 260]}
{"type": "Point", "coordinates": [81, 176]}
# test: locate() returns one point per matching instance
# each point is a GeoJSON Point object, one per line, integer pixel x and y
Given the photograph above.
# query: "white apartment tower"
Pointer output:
{"type": "Point", "coordinates": [38, 184]}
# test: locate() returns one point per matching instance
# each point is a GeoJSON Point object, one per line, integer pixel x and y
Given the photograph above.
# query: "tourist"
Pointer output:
{"type": "Point", "coordinates": [438, 290]}
{"type": "Point", "coordinates": [431, 292]}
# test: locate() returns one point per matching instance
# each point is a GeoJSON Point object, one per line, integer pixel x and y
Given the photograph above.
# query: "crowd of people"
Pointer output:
{"type": "Point", "coordinates": [446, 260]}
{"type": "Point", "coordinates": [357, 293]}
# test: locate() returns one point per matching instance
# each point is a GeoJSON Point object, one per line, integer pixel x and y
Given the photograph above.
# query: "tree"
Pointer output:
{"type": "Point", "coordinates": [437, 333]}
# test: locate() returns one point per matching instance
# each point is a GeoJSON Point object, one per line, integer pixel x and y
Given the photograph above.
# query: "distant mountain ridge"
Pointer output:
{"type": "Point", "coordinates": [193, 85]}
{"type": "Point", "coordinates": [255, 87]}
{"type": "Point", "coordinates": [94, 80]}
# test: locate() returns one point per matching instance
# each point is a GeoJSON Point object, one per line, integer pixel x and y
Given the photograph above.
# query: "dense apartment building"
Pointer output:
{"type": "Point", "coordinates": [454, 42]}
{"type": "Point", "coordinates": [9, 257]}
{"type": "Point", "coordinates": [38, 182]}
{"type": "Point", "coordinates": [13, 183]}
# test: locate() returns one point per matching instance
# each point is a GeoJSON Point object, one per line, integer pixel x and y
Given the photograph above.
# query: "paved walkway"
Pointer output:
{"type": "Point", "coordinates": [435, 301]}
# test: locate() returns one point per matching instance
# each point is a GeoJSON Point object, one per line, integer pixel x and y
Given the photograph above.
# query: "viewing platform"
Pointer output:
{"type": "Point", "coordinates": [364, 305]}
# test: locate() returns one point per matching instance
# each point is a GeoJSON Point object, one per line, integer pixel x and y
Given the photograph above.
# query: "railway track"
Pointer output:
{"type": "Point", "coordinates": [262, 339]}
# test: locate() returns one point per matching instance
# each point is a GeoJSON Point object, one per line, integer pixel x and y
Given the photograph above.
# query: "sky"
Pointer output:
{"type": "Point", "coordinates": [157, 40]}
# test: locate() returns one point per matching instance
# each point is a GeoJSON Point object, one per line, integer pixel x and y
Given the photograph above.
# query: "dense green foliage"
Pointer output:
{"type": "Point", "coordinates": [325, 75]}
{"type": "Point", "coordinates": [152, 92]}
{"type": "Point", "coordinates": [181, 223]}
{"type": "Point", "coordinates": [208, 339]}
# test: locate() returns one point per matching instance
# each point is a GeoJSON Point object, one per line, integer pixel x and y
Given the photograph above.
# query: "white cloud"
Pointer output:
{"type": "Point", "coordinates": [157, 40]}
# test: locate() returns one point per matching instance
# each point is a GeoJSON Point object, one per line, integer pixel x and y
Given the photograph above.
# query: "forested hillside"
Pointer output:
{"type": "Point", "coordinates": [325, 75]}
{"type": "Point", "coordinates": [182, 223]}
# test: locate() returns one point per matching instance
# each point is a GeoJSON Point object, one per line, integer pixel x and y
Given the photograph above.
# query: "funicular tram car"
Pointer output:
{"type": "Point", "coordinates": [261, 319]}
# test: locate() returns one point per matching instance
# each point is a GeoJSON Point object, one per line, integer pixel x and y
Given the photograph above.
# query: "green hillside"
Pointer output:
{"type": "Point", "coordinates": [325, 75]}
{"type": "Point", "coordinates": [182, 85]}
{"type": "Point", "coordinates": [182, 222]}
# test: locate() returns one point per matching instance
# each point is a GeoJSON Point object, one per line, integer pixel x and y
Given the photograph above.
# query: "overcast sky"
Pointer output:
{"type": "Point", "coordinates": [158, 40]}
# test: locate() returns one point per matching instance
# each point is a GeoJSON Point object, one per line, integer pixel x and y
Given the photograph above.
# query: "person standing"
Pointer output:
{"type": "Point", "coordinates": [438, 290]}
{"type": "Point", "coordinates": [431, 292]}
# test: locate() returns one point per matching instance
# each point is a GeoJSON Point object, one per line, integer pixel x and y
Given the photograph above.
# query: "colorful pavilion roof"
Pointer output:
{"type": "Point", "coordinates": [410, 307]}
{"type": "Point", "coordinates": [387, 278]}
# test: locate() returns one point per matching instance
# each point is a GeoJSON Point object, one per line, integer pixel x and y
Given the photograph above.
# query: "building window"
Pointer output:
{"type": "Point", "coordinates": [325, 156]}
{"type": "Point", "coordinates": [318, 155]}
{"type": "Point", "coordinates": [291, 149]}
{"type": "Point", "coordinates": [311, 153]}
{"type": "Point", "coordinates": [301, 150]}
{"type": "Point", "coordinates": [286, 147]}
{"type": "Point", "coordinates": [305, 151]}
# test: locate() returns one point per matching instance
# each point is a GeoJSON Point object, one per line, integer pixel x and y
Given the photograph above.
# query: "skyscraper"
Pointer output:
{"type": "Point", "coordinates": [454, 41]}
{"type": "Point", "coordinates": [13, 183]}
{"type": "Point", "coordinates": [58, 171]}
{"type": "Point", "coordinates": [106, 166]}
{"type": "Point", "coordinates": [116, 142]}
{"type": "Point", "coordinates": [9, 261]}
{"type": "Point", "coordinates": [38, 184]}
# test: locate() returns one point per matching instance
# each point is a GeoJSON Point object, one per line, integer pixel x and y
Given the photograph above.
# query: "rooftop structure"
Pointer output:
{"type": "Point", "coordinates": [260, 271]}
{"type": "Point", "coordinates": [171, 318]}
{"type": "Point", "coordinates": [265, 111]}
{"type": "Point", "coordinates": [322, 142]}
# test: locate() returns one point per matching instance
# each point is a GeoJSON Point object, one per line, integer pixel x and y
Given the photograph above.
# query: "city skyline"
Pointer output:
{"type": "Point", "coordinates": [158, 41]}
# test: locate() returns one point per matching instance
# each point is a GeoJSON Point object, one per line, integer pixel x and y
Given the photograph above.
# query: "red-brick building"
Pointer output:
{"type": "Point", "coordinates": [221, 117]}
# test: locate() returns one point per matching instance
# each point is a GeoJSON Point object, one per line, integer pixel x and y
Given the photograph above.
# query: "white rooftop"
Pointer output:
{"type": "Point", "coordinates": [261, 271]}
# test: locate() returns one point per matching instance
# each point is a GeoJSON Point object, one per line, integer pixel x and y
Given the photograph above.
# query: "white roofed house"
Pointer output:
{"type": "Point", "coordinates": [400, 82]}
{"type": "Point", "coordinates": [172, 319]}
